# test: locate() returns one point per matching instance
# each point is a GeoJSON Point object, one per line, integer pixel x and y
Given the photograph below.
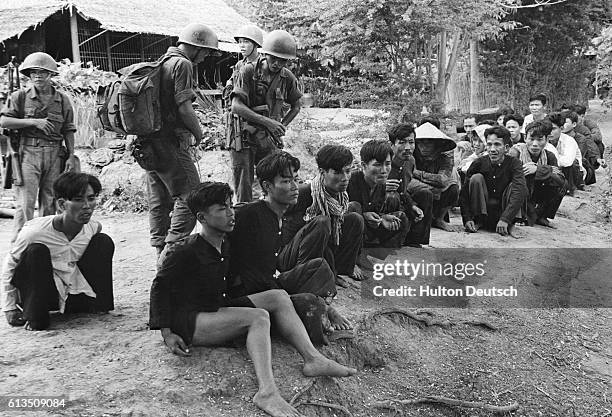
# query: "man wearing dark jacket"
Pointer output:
{"type": "Point", "coordinates": [494, 189]}
{"type": "Point", "coordinates": [175, 176]}
{"type": "Point", "coordinates": [319, 223]}
{"type": "Point", "coordinates": [545, 182]}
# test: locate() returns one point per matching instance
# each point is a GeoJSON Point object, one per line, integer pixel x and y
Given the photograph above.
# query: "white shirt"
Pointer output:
{"type": "Point", "coordinates": [64, 257]}
{"type": "Point", "coordinates": [566, 151]}
{"type": "Point", "coordinates": [528, 119]}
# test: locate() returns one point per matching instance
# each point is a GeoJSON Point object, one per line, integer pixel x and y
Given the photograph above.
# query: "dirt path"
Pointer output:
{"type": "Point", "coordinates": [552, 362]}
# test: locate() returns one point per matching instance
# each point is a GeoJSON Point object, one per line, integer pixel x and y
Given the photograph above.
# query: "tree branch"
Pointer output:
{"type": "Point", "coordinates": [536, 4]}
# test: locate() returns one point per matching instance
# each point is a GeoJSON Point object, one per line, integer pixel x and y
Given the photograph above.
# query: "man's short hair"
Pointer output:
{"type": "Point", "coordinates": [539, 129]}
{"type": "Point", "coordinates": [470, 116]}
{"type": "Point", "coordinates": [489, 122]}
{"type": "Point", "coordinates": [72, 184]}
{"type": "Point", "coordinates": [516, 117]}
{"type": "Point", "coordinates": [207, 194]}
{"type": "Point", "coordinates": [499, 131]}
{"type": "Point", "coordinates": [556, 118]}
{"type": "Point", "coordinates": [400, 131]}
{"type": "Point", "coordinates": [579, 108]}
{"type": "Point", "coordinates": [569, 114]}
{"type": "Point", "coordinates": [505, 111]}
{"type": "Point", "coordinates": [430, 119]}
{"type": "Point", "coordinates": [277, 163]}
{"type": "Point", "coordinates": [538, 97]}
{"type": "Point", "coordinates": [334, 157]}
{"type": "Point", "coordinates": [375, 149]}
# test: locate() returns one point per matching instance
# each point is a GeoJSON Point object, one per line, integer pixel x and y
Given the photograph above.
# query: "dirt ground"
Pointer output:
{"type": "Point", "coordinates": [550, 361]}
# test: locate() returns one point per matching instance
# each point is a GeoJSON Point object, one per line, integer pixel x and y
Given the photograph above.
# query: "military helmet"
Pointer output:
{"type": "Point", "coordinates": [40, 61]}
{"type": "Point", "coordinates": [250, 32]}
{"type": "Point", "coordinates": [199, 35]}
{"type": "Point", "coordinates": [280, 44]}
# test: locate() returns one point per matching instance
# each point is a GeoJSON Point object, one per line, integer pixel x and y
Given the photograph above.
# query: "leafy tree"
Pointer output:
{"type": "Point", "coordinates": [604, 59]}
{"type": "Point", "coordinates": [547, 52]}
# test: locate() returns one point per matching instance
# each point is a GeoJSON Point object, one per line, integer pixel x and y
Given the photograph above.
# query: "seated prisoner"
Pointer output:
{"type": "Point", "coordinates": [60, 262]}
{"type": "Point", "coordinates": [318, 223]}
{"type": "Point", "coordinates": [434, 169]}
{"type": "Point", "coordinates": [568, 153]}
{"type": "Point", "coordinates": [262, 258]}
{"type": "Point", "coordinates": [386, 223]}
{"type": "Point", "coordinates": [494, 188]}
{"type": "Point", "coordinates": [191, 302]}
{"type": "Point", "coordinates": [545, 182]}
{"type": "Point", "coordinates": [402, 139]}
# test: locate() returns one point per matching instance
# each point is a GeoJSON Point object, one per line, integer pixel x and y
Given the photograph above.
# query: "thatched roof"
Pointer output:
{"type": "Point", "coordinates": [163, 17]}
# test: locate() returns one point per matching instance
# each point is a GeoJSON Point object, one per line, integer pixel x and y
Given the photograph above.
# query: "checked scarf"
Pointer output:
{"type": "Point", "coordinates": [324, 204]}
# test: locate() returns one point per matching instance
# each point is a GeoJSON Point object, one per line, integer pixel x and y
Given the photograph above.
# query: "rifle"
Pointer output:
{"type": "Point", "coordinates": [12, 174]}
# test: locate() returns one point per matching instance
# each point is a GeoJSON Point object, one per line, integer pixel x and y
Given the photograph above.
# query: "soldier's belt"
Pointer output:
{"type": "Point", "coordinates": [39, 142]}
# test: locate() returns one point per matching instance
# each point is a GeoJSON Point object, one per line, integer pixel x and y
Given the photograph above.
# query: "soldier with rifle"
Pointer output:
{"type": "Point", "coordinates": [249, 38]}
{"type": "Point", "coordinates": [261, 90]}
{"type": "Point", "coordinates": [44, 119]}
{"type": "Point", "coordinates": [10, 142]}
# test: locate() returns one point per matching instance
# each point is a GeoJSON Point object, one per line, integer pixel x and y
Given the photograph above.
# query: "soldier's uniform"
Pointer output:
{"type": "Point", "coordinates": [40, 153]}
{"type": "Point", "coordinates": [265, 93]}
{"type": "Point", "coordinates": [169, 184]}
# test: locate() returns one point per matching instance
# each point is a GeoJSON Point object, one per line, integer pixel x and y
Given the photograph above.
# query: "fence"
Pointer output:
{"type": "Point", "coordinates": [112, 51]}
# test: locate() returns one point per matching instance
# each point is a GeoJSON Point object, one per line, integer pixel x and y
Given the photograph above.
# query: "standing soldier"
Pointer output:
{"type": "Point", "coordinates": [45, 119]}
{"type": "Point", "coordinates": [249, 38]}
{"type": "Point", "coordinates": [175, 176]}
{"type": "Point", "coordinates": [261, 90]}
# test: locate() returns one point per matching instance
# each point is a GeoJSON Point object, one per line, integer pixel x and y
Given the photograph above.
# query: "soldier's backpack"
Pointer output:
{"type": "Point", "coordinates": [131, 105]}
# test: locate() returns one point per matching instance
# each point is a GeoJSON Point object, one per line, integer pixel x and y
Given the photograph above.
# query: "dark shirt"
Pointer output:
{"type": "Point", "coordinates": [176, 86]}
{"type": "Point", "coordinates": [544, 173]}
{"type": "Point", "coordinates": [193, 277]}
{"type": "Point", "coordinates": [252, 87]}
{"type": "Point", "coordinates": [370, 198]}
{"type": "Point", "coordinates": [295, 213]}
{"type": "Point", "coordinates": [594, 129]}
{"type": "Point", "coordinates": [402, 169]}
{"type": "Point", "coordinates": [255, 244]}
{"type": "Point", "coordinates": [26, 104]}
{"type": "Point", "coordinates": [497, 177]}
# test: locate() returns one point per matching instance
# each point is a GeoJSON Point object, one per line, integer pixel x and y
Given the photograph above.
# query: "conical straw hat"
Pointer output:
{"type": "Point", "coordinates": [429, 131]}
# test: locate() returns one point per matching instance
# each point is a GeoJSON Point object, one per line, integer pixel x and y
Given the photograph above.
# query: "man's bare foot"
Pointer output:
{"type": "Point", "coordinates": [341, 281]}
{"type": "Point", "coordinates": [543, 221]}
{"type": "Point", "coordinates": [337, 321]}
{"type": "Point", "coordinates": [273, 404]}
{"type": "Point", "coordinates": [447, 227]}
{"type": "Point", "coordinates": [322, 366]}
{"type": "Point", "coordinates": [357, 274]}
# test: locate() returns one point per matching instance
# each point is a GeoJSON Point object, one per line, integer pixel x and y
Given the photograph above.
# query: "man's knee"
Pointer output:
{"type": "Point", "coordinates": [321, 223]}
{"type": "Point", "coordinates": [354, 221]}
{"type": "Point", "coordinates": [259, 316]}
{"type": "Point", "coordinates": [102, 241]}
{"type": "Point", "coordinates": [279, 297]}
{"type": "Point", "coordinates": [37, 251]}
{"type": "Point", "coordinates": [477, 179]}
{"type": "Point", "coordinates": [423, 196]}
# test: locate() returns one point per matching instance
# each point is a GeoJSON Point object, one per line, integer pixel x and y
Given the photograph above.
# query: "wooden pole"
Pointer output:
{"type": "Point", "coordinates": [474, 76]}
{"type": "Point", "coordinates": [142, 55]}
{"type": "Point", "coordinates": [109, 54]}
{"type": "Point", "coordinates": [74, 35]}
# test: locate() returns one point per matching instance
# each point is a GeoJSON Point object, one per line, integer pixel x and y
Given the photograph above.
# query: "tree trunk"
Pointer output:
{"type": "Point", "coordinates": [474, 76]}
{"type": "Point", "coordinates": [441, 85]}
{"type": "Point", "coordinates": [428, 48]}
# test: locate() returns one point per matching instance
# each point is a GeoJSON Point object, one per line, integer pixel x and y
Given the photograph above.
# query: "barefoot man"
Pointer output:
{"type": "Point", "coordinates": [191, 302]}
{"type": "Point", "coordinates": [265, 257]}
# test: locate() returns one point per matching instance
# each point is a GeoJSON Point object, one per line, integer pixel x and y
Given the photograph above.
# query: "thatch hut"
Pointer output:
{"type": "Point", "coordinates": [112, 33]}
